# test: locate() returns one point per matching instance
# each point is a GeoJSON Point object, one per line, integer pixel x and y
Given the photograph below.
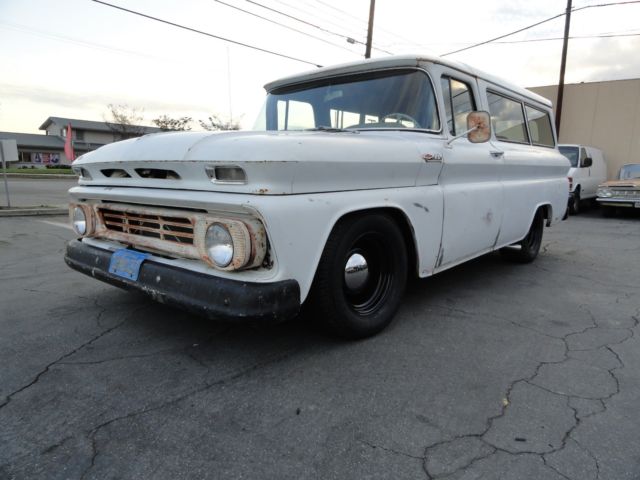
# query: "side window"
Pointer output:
{"type": "Point", "coordinates": [583, 155]}
{"type": "Point", "coordinates": [458, 102]}
{"type": "Point", "coordinates": [539, 124]}
{"type": "Point", "coordinates": [295, 115]}
{"type": "Point", "coordinates": [507, 118]}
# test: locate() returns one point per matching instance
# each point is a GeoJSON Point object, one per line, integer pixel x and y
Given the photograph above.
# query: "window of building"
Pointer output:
{"type": "Point", "coordinates": [539, 123]}
{"type": "Point", "coordinates": [80, 135]}
{"type": "Point", "coordinates": [507, 118]}
{"type": "Point", "coordinates": [458, 102]}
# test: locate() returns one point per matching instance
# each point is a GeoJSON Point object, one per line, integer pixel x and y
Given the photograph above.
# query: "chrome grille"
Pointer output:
{"type": "Point", "coordinates": [630, 193]}
{"type": "Point", "coordinates": [169, 228]}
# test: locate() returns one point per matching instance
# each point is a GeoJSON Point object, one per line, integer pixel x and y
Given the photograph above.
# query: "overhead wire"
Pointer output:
{"type": "Point", "coordinates": [378, 28]}
{"type": "Point", "coordinates": [201, 32]}
{"type": "Point", "coordinates": [577, 37]}
{"type": "Point", "coordinates": [305, 22]}
{"type": "Point", "coordinates": [538, 23]}
{"type": "Point", "coordinates": [283, 25]}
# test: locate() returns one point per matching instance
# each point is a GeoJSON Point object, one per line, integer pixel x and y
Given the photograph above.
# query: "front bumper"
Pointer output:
{"type": "Point", "coordinates": [618, 202]}
{"type": "Point", "coordinates": [205, 295]}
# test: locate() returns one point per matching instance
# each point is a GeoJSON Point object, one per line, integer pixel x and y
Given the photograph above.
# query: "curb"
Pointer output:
{"type": "Point", "coordinates": [33, 211]}
{"type": "Point", "coordinates": [42, 175]}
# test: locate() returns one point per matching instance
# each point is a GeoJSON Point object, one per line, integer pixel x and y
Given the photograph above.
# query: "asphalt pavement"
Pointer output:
{"type": "Point", "coordinates": [36, 192]}
{"type": "Point", "coordinates": [490, 370]}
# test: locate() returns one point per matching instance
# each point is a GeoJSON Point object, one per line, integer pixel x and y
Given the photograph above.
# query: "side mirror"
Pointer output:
{"type": "Point", "coordinates": [587, 162]}
{"type": "Point", "coordinates": [478, 127]}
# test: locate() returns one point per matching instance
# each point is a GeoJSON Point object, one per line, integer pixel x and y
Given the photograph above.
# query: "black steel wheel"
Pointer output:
{"type": "Point", "coordinates": [361, 277]}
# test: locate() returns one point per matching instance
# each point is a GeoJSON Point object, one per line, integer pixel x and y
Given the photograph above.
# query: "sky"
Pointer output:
{"type": "Point", "coordinates": [72, 58]}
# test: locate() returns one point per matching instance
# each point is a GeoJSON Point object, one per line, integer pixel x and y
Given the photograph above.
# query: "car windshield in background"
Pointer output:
{"type": "Point", "coordinates": [390, 100]}
{"type": "Point", "coordinates": [571, 153]}
{"type": "Point", "coordinates": [630, 171]}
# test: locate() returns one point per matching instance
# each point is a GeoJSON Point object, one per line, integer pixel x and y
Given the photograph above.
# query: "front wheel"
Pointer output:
{"type": "Point", "coordinates": [361, 277]}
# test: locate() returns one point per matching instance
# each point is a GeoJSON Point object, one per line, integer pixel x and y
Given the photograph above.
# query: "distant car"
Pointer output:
{"type": "Point", "coordinates": [588, 170]}
{"type": "Point", "coordinates": [624, 192]}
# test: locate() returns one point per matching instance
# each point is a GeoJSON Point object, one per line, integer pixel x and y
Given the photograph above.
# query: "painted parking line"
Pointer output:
{"type": "Point", "coordinates": [56, 224]}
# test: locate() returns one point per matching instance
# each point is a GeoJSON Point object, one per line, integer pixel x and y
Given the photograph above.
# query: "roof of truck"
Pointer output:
{"type": "Point", "coordinates": [400, 61]}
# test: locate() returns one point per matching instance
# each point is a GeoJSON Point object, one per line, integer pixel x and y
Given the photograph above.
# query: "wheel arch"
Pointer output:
{"type": "Point", "coordinates": [547, 213]}
{"type": "Point", "coordinates": [402, 220]}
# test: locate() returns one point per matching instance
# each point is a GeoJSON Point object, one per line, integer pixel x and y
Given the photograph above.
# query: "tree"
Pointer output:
{"type": "Point", "coordinates": [216, 123]}
{"type": "Point", "coordinates": [177, 124]}
{"type": "Point", "coordinates": [124, 121]}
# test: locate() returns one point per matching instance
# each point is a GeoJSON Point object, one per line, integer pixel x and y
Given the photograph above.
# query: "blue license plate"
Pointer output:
{"type": "Point", "coordinates": [126, 263]}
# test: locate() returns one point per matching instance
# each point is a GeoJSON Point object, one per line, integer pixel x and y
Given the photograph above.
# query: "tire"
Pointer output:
{"type": "Point", "coordinates": [574, 208]}
{"type": "Point", "coordinates": [529, 245]}
{"type": "Point", "coordinates": [349, 303]}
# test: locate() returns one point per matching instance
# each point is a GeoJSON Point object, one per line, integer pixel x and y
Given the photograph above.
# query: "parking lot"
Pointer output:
{"type": "Point", "coordinates": [490, 370]}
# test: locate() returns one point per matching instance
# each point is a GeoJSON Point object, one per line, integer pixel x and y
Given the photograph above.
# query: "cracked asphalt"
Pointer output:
{"type": "Point", "coordinates": [491, 370]}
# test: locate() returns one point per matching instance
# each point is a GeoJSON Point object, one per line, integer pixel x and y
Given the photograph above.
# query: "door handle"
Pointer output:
{"type": "Point", "coordinates": [431, 157]}
{"type": "Point", "coordinates": [496, 153]}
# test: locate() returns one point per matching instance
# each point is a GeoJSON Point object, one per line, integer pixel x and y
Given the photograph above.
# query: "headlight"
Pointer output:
{"type": "Point", "coordinates": [219, 244]}
{"type": "Point", "coordinates": [79, 220]}
{"type": "Point", "coordinates": [604, 192]}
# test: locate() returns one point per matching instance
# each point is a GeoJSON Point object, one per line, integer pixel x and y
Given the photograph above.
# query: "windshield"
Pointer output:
{"type": "Point", "coordinates": [630, 171]}
{"type": "Point", "coordinates": [397, 100]}
{"type": "Point", "coordinates": [571, 153]}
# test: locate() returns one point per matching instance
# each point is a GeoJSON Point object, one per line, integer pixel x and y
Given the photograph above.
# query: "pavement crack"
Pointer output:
{"type": "Point", "coordinates": [91, 435]}
{"type": "Point", "coordinates": [46, 369]}
{"type": "Point", "coordinates": [390, 450]}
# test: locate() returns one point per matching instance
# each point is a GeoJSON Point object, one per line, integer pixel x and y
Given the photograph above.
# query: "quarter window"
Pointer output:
{"type": "Point", "coordinates": [458, 102]}
{"type": "Point", "coordinates": [507, 118]}
{"type": "Point", "coordinates": [539, 124]}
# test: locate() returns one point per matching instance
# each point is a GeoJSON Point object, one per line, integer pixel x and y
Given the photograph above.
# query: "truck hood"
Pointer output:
{"type": "Point", "coordinates": [630, 183]}
{"type": "Point", "coordinates": [275, 163]}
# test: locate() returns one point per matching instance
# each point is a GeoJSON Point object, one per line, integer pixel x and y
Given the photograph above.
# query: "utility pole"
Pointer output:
{"type": "Point", "coordinates": [372, 8]}
{"type": "Point", "coordinates": [563, 65]}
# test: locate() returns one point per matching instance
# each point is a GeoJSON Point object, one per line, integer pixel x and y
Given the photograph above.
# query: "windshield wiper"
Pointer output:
{"type": "Point", "coordinates": [323, 128]}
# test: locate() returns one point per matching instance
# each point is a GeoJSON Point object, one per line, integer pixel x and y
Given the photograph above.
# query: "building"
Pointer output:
{"type": "Point", "coordinates": [605, 115]}
{"type": "Point", "coordinates": [87, 135]}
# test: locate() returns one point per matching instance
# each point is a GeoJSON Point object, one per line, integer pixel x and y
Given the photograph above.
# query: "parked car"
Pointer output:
{"type": "Point", "coordinates": [588, 170]}
{"type": "Point", "coordinates": [355, 177]}
{"type": "Point", "coordinates": [621, 193]}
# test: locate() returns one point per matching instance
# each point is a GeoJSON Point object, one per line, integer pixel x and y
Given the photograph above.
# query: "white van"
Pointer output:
{"type": "Point", "coordinates": [355, 177]}
{"type": "Point", "coordinates": [588, 170]}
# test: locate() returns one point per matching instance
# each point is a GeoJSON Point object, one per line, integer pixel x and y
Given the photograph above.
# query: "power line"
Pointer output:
{"type": "Point", "coordinates": [503, 36]}
{"type": "Point", "coordinates": [539, 23]}
{"type": "Point", "coordinates": [297, 19]}
{"type": "Point", "coordinates": [177, 25]}
{"type": "Point", "coordinates": [364, 22]}
{"type": "Point", "coordinates": [579, 37]}
{"type": "Point", "coordinates": [283, 25]}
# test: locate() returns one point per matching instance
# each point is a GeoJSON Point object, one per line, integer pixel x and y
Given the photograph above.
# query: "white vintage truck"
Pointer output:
{"type": "Point", "coordinates": [354, 177]}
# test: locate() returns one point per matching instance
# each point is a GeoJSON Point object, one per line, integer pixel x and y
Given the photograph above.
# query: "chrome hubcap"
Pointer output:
{"type": "Point", "coordinates": [356, 272]}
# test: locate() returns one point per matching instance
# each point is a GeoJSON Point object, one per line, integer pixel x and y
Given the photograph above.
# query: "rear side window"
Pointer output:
{"type": "Point", "coordinates": [458, 102]}
{"type": "Point", "coordinates": [507, 118]}
{"type": "Point", "coordinates": [539, 123]}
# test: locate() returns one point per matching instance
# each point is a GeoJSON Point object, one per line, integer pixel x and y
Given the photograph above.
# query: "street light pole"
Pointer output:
{"type": "Point", "coordinates": [372, 8]}
{"type": "Point", "coordinates": [563, 65]}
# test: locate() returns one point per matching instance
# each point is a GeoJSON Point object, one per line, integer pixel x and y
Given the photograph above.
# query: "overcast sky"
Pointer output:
{"type": "Point", "coordinates": [71, 58]}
